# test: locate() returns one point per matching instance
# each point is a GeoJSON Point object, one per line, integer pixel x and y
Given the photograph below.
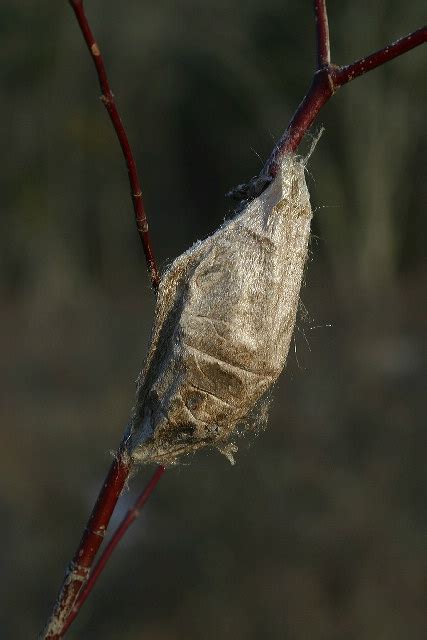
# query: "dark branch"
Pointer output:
{"type": "Point", "coordinates": [79, 568]}
{"type": "Point", "coordinates": [342, 75]}
{"type": "Point", "coordinates": [107, 98]}
{"type": "Point", "coordinates": [322, 32]}
{"type": "Point", "coordinates": [326, 81]}
{"type": "Point", "coordinates": [129, 518]}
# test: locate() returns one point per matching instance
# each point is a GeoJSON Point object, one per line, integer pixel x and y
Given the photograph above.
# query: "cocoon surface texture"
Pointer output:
{"type": "Point", "coordinates": [225, 315]}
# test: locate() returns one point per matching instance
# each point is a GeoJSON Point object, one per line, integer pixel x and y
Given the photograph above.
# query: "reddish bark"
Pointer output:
{"type": "Point", "coordinates": [322, 32]}
{"type": "Point", "coordinates": [79, 568]}
{"type": "Point", "coordinates": [107, 98]}
{"type": "Point", "coordinates": [342, 75]}
{"type": "Point", "coordinates": [129, 518]}
{"type": "Point", "coordinates": [328, 78]}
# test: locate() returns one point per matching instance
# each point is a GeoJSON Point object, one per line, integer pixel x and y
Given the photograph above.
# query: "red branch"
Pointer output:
{"type": "Point", "coordinates": [107, 98]}
{"type": "Point", "coordinates": [79, 568]}
{"type": "Point", "coordinates": [326, 80]}
{"type": "Point", "coordinates": [322, 32]}
{"type": "Point", "coordinates": [342, 75]}
{"type": "Point", "coordinates": [129, 518]}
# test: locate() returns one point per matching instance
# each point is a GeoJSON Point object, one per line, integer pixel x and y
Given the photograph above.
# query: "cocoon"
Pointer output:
{"type": "Point", "coordinates": [224, 320]}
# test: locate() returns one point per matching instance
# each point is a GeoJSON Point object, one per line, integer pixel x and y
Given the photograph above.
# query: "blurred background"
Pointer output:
{"type": "Point", "coordinates": [320, 530]}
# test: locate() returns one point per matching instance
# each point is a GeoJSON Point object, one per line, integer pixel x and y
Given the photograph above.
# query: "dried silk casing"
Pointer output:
{"type": "Point", "coordinates": [225, 315]}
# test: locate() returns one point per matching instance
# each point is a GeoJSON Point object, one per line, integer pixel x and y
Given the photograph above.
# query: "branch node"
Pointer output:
{"type": "Point", "coordinates": [100, 531]}
{"type": "Point", "coordinates": [106, 100]}
{"type": "Point", "coordinates": [77, 572]}
{"type": "Point", "coordinates": [95, 50]}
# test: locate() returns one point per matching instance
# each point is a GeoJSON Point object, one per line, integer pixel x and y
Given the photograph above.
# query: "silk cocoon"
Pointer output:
{"type": "Point", "coordinates": [224, 320]}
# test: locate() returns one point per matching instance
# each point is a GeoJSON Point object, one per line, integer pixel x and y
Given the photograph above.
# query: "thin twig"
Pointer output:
{"type": "Point", "coordinates": [322, 31]}
{"type": "Point", "coordinates": [79, 568]}
{"type": "Point", "coordinates": [107, 98]}
{"type": "Point", "coordinates": [129, 518]}
{"type": "Point", "coordinates": [342, 75]}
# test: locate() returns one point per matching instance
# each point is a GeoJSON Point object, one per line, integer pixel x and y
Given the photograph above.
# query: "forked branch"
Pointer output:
{"type": "Point", "coordinates": [326, 80]}
{"type": "Point", "coordinates": [79, 568]}
{"type": "Point", "coordinates": [128, 519]}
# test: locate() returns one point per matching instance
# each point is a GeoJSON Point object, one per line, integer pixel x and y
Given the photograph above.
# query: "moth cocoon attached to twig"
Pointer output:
{"type": "Point", "coordinates": [224, 320]}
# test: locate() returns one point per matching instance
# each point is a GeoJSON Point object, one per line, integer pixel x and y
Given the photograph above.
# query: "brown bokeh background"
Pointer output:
{"type": "Point", "coordinates": [320, 530]}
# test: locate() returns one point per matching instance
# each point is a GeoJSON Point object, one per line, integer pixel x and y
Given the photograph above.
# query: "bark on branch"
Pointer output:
{"type": "Point", "coordinates": [327, 79]}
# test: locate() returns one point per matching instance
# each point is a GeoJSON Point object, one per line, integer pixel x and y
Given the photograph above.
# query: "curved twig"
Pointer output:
{"type": "Point", "coordinates": [107, 98]}
{"type": "Point", "coordinates": [79, 568]}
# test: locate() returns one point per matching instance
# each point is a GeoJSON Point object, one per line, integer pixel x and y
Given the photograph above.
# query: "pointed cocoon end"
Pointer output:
{"type": "Point", "coordinates": [225, 316]}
